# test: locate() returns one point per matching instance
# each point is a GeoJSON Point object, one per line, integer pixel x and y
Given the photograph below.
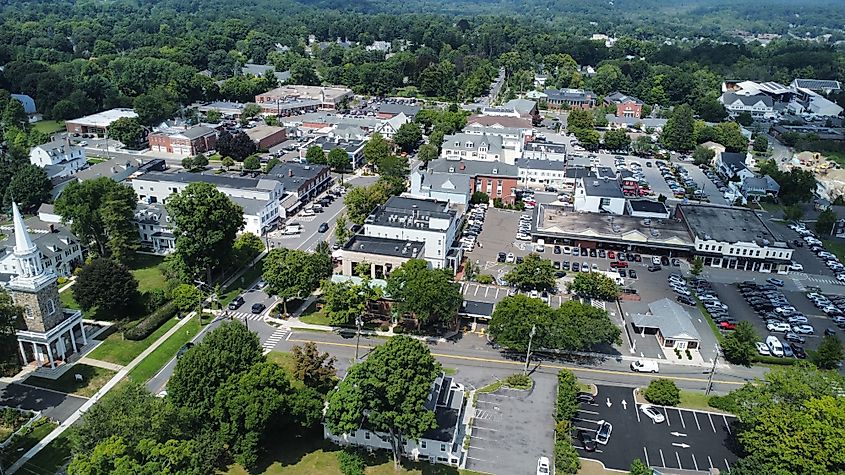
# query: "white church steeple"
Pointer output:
{"type": "Point", "coordinates": [31, 272]}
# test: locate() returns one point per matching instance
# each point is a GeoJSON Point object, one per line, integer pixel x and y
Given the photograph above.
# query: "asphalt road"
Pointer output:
{"type": "Point", "coordinates": [686, 440]}
{"type": "Point", "coordinates": [52, 404]}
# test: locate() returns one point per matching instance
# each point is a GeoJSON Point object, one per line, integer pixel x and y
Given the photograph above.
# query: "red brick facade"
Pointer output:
{"type": "Point", "coordinates": [496, 187]}
{"type": "Point", "coordinates": [629, 109]}
{"type": "Point", "coordinates": [181, 145]}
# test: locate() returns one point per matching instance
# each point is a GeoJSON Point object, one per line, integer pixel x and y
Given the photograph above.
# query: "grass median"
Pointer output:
{"type": "Point", "coordinates": [117, 349]}
{"type": "Point", "coordinates": [93, 378]}
{"type": "Point", "coordinates": [156, 360]}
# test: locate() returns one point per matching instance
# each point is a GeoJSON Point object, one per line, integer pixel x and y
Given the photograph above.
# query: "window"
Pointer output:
{"type": "Point", "coordinates": [422, 444]}
{"type": "Point", "coordinates": [442, 447]}
{"type": "Point", "coordinates": [28, 312]}
{"type": "Point", "coordinates": [51, 307]}
{"type": "Point", "coordinates": [367, 435]}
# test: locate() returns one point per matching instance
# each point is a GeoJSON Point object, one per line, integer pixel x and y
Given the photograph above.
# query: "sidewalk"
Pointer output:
{"type": "Point", "coordinates": [100, 364]}
{"type": "Point", "coordinates": [96, 397]}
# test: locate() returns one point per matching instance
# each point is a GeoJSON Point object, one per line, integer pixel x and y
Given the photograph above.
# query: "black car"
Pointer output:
{"type": "Point", "coordinates": [685, 300]}
{"type": "Point", "coordinates": [557, 250]}
{"type": "Point", "coordinates": [565, 265]}
{"type": "Point", "coordinates": [236, 303]}
{"type": "Point", "coordinates": [560, 274]}
{"type": "Point", "coordinates": [258, 307]}
{"type": "Point", "coordinates": [501, 257]}
{"type": "Point", "coordinates": [593, 253]}
{"type": "Point", "coordinates": [586, 398]}
{"type": "Point", "coordinates": [575, 267]}
{"type": "Point", "coordinates": [664, 260]}
{"type": "Point", "coordinates": [829, 332]}
{"type": "Point", "coordinates": [187, 346]}
{"type": "Point", "coordinates": [323, 228]}
{"type": "Point", "coordinates": [519, 259]}
{"type": "Point", "coordinates": [798, 351]}
{"type": "Point", "coordinates": [587, 441]}
{"type": "Point", "coordinates": [621, 272]}
{"type": "Point", "coordinates": [676, 263]}
{"type": "Point", "coordinates": [632, 274]}
{"type": "Point", "coordinates": [556, 265]}
{"type": "Point", "coordinates": [602, 254]}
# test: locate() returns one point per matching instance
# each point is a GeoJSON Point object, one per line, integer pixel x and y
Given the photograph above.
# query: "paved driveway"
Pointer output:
{"type": "Point", "coordinates": [52, 404]}
{"type": "Point", "coordinates": [512, 429]}
{"type": "Point", "coordinates": [687, 440]}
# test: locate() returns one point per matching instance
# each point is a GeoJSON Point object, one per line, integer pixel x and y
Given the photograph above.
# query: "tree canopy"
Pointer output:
{"type": "Point", "coordinates": [429, 295]}
{"type": "Point", "coordinates": [292, 273]}
{"type": "Point", "coordinates": [533, 273]}
{"type": "Point", "coordinates": [105, 284]}
{"type": "Point", "coordinates": [594, 285]}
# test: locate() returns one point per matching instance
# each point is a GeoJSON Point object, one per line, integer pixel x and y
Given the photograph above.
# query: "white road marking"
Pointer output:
{"type": "Point", "coordinates": [476, 290]}
{"type": "Point", "coordinates": [681, 414]}
{"type": "Point", "coordinates": [678, 457]}
{"type": "Point", "coordinates": [484, 428]}
{"type": "Point", "coordinates": [694, 416]}
{"type": "Point", "coordinates": [662, 460]}
{"type": "Point", "coordinates": [726, 424]}
{"type": "Point", "coordinates": [645, 452]}
{"type": "Point", "coordinates": [711, 423]}
{"type": "Point", "coordinates": [585, 429]}
{"type": "Point", "coordinates": [588, 412]}
{"type": "Point", "coordinates": [667, 417]}
{"type": "Point", "coordinates": [473, 458]}
{"type": "Point", "coordinates": [694, 462]}
{"type": "Point", "coordinates": [637, 412]}
{"type": "Point", "coordinates": [710, 462]}
{"type": "Point", "coordinates": [486, 291]}
{"type": "Point", "coordinates": [584, 420]}
{"type": "Point", "coordinates": [727, 465]}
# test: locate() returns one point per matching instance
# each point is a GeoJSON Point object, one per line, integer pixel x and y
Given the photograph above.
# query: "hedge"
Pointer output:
{"type": "Point", "coordinates": [151, 322]}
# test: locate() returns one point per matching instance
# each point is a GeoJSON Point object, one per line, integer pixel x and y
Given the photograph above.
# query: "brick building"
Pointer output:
{"type": "Point", "coordinates": [183, 141]}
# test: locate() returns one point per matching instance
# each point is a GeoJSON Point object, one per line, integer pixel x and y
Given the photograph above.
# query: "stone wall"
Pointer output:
{"type": "Point", "coordinates": [41, 321]}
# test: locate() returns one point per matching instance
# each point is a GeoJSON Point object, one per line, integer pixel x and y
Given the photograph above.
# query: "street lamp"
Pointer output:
{"type": "Point", "coordinates": [359, 322]}
{"type": "Point", "coordinates": [528, 353]}
{"type": "Point", "coordinates": [712, 372]}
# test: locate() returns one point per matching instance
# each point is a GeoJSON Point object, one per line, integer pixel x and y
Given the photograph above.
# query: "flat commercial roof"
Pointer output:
{"type": "Point", "coordinates": [105, 118]}
{"type": "Point", "coordinates": [228, 181]}
{"type": "Point", "coordinates": [727, 224]}
{"type": "Point", "coordinates": [673, 321]}
{"type": "Point", "coordinates": [384, 246]}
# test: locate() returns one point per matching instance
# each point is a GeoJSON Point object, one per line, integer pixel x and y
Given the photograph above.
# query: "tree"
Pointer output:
{"type": "Point", "coordinates": [303, 72]}
{"type": "Point", "coordinates": [829, 353]}
{"type": "Point", "coordinates": [252, 163]}
{"type": "Point", "coordinates": [479, 197]}
{"type": "Point", "coordinates": [566, 457]}
{"type": "Point", "coordinates": [427, 153]}
{"type": "Point", "coordinates": [616, 139]}
{"type": "Point", "coordinates": [14, 115]}
{"type": "Point", "coordinates": [730, 135]}
{"type": "Point", "coordinates": [388, 390]}
{"type": "Point", "coordinates": [247, 246]}
{"type": "Point", "coordinates": [227, 162]}
{"type": "Point", "coordinates": [567, 389]}
{"type": "Point", "coordinates": [101, 212]}
{"type": "Point", "coordinates": [29, 187]}
{"type": "Point", "coordinates": [341, 230]}
{"type": "Point", "coordinates": [697, 266]}
{"type": "Point", "coordinates": [792, 213]}
{"type": "Point", "coordinates": [579, 119]}
{"type": "Point", "coordinates": [663, 392]}
{"type": "Point", "coordinates": [745, 119]}
{"type": "Point", "coordinates": [638, 467]}
{"type": "Point", "coordinates": [187, 297]}
{"type": "Point", "coordinates": [703, 155]}
{"type": "Point", "coordinates": [739, 346]}
{"type": "Point", "coordinates": [155, 106]}
{"type": "Point", "coordinates": [316, 370]}
{"type": "Point", "coordinates": [678, 133]}
{"type": "Point", "coordinates": [825, 222]}
{"type": "Point", "coordinates": [428, 294]}
{"type": "Point", "coordinates": [315, 155]}
{"type": "Point", "coordinates": [213, 116]}
{"type": "Point", "coordinates": [237, 145]}
{"type": "Point", "coordinates": [128, 131]}
{"type": "Point", "coordinates": [376, 150]}
{"type": "Point", "coordinates": [293, 273]}
{"type": "Point", "coordinates": [228, 350]}
{"type": "Point", "coordinates": [761, 143]}
{"type": "Point", "coordinates": [205, 222]}
{"type": "Point", "coordinates": [271, 164]}
{"type": "Point", "coordinates": [10, 318]}
{"type": "Point", "coordinates": [573, 326]}
{"type": "Point", "coordinates": [114, 455]}
{"type": "Point", "coordinates": [408, 136]}
{"type": "Point", "coordinates": [188, 163]}
{"type": "Point", "coordinates": [594, 285]}
{"type": "Point", "coordinates": [360, 201]}
{"type": "Point", "coordinates": [338, 160]}
{"type": "Point", "coordinates": [533, 273]}
{"type": "Point", "coordinates": [588, 138]}
{"type": "Point", "coordinates": [107, 285]}
{"type": "Point", "coordinates": [346, 301]}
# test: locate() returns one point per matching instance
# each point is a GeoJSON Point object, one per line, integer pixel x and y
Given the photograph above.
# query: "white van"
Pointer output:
{"type": "Point", "coordinates": [645, 366]}
{"type": "Point", "coordinates": [541, 246]}
{"type": "Point", "coordinates": [775, 346]}
{"type": "Point", "coordinates": [292, 229]}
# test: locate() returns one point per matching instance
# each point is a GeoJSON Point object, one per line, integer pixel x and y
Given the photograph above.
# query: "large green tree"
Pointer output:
{"type": "Point", "coordinates": [361, 200]}
{"type": "Point", "coordinates": [205, 222]}
{"type": "Point", "coordinates": [128, 131]}
{"type": "Point", "coordinates": [738, 346]}
{"type": "Point", "coordinates": [408, 136]}
{"type": "Point", "coordinates": [100, 212]}
{"type": "Point", "coordinates": [338, 160]}
{"type": "Point", "coordinates": [825, 222]}
{"type": "Point", "coordinates": [617, 139]}
{"type": "Point", "coordinates": [678, 133]}
{"type": "Point", "coordinates": [107, 285]}
{"type": "Point", "coordinates": [292, 273]}
{"type": "Point", "coordinates": [430, 295]}
{"type": "Point", "coordinates": [594, 285]}
{"type": "Point", "coordinates": [579, 119]}
{"type": "Point", "coordinates": [829, 353]}
{"type": "Point", "coordinates": [533, 273]}
{"type": "Point", "coordinates": [316, 370]}
{"type": "Point", "coordinates": [316, 155]}
{"type": "Point", "coordinates": [376, 150]}
{"type": "Point", "coordinates": [388, 390]}
{"type": "Point", "coordinates": [29, 187]}
{"type": "Point", "coordinates": [345, 301]}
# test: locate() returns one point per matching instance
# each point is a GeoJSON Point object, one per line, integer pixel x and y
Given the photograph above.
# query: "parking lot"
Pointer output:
{"type": "Point", "coordinates": [512, 429]}
{"type": "Point", "coordinates": [686, 440]}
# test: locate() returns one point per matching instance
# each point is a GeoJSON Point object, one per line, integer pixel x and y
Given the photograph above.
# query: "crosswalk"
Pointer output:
{"type": "Point", "coordinates": [819, 279]}
{"type": "Point", "coordinates": [247, 316]}
{"type": "Point", "coordinates": [277, 336]}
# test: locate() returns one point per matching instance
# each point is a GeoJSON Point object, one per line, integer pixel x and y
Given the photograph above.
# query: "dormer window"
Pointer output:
{"type": "Point", "coordinates": [51, 307]}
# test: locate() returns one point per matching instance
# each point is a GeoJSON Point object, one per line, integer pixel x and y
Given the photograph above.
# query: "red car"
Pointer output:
{"type": "Point", "coordinates": [727, 326]}
{"type": "Point", "coordinates": [611, 255]}
{"type": "Point", "coordinates": [618, 265]}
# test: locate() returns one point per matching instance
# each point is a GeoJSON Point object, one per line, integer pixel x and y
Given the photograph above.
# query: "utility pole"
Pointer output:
{"type": "Point", "coordinates": [528, 353]}
{"type": "Point", "coordinates": [712, 372]}
{"type": "Point", "coordinates": [359, 322]}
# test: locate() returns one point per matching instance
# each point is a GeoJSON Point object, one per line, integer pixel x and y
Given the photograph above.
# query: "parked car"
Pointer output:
{"type": "Point", "coordinates": [604, 431]}
{"type": "Point", "coordinates": [773, 281]}
{"type": "Point", "coordinates": [585, 397]}
{"type": "Point", "coordinates": [762, 348]}
{"type": "Point", "coordinates": [794, 337]}
{"type": "Point", "coordinates": [587, 441]}
{"type": "Point", "coordinates": [258, 307]}
{"type": "Point", "coordinates": [645, 366]}
{"type": "Point", "coordinates": [803, 329]}
{"type": "Point", "coordinates": [236, 302]}
{"type": "Point", "coordinates": [652, 413]}
{"type": "Point", "coordinates": [323, 227]}
{"type": "Point", "coordinates": [543, 467]}
{"type": "Point", "coordinates": [187, 346]}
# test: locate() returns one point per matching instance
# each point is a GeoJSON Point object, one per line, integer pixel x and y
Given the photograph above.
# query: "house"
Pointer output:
{"type": "Point", "coordinates": [353, 148]}
{"type": "Point", "coordinates": [229, 110]}
{"type": "Point", "coordinates": [670, 323]}
{"type": "Point", "coordinates": [756, 186]}
{"type": "Point", "coordinates": [98, 123]}
{"type": "Point", "coordinates": [626, 106]}
{"type": "Point", "coordinates": [734, 238]}
{"type": "Point", "coordinates": [731, 164]}
{"type": "Point", "coordinates": [419, 220]}
{"type": "Point", "coordinates": [60, 249]}
{"type": "Point", "coordinates": [571, 98]}
{"type": "Point", "coordinates": [463, 146]}
{"type": "Point", "coordinates": [58, 156]}
{"type": "Point", "coordinates": [541, 173]}
{"type": "Point", "coordinates": [633, 123]}
{"type": "Point", "coordinates": [154, 229]}
{"type": "Point", "coordinates": [759, 106]}
{"type": "Point", "coordinates": [330, 97]}
{"type": "Point", "coordinates": [514, 139]}
{"type": "Point", "coordinates": [262, 69]}
{"type": "Point", "coordinates": [648, 209]}
{"type": "Point", "coordinates": [477, 310]}
{"type": "Point", "coordinates": [183, 141]}
{"type": "Point", "coordinates": [599, 195]}
{"type": "Point", "coordinates": [259, 197]}
{"type": "Point", "coordinates": [543, 150]}
{"type": "Point", "coordinates": [302, 182]}
{"type": "Point", "coordinates": [456, 182]}
{"type": "Point", "coordinates": [383, 255]}
{"type": "Point", "coordinates": [442, 444]}
{"type": "Point", "coordinates": [266, 136]}
{"type": "Point", "coordinates": [26, 101]}
{"type": "Point", "coordinates": [499, 121]}
{"type": "Point", "coordinates": [391, 125]}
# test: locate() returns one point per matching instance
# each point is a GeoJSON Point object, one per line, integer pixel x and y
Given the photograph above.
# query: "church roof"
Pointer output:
{"type": "Point", "coordinates": [23, 244]}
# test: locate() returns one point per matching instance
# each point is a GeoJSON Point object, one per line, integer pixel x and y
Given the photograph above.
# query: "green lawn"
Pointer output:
{"type": "Point", "coordinates": [694, 400]}
{"type": "Point", "coordinates": [93, 378]}
{"type": "Point", "coordinates": [241, 284]}
{"type": "Point", "coordinates": [51, 458]}
{"type": "Point", "coordinates": [95, 160]}
{"type": "Point", "coordinates": [23, 443]}
{"type": "Point", "coordinates": [67, 299]}
{"type": "Point", "coordinates": [49, 126]}
{"type": "Point", "coordinates": [836, 246]}
{"type": "Point", "coordinates": [313, 316]}
{"type": "Point", "coordinates": [164, 353]}
{"type": "Point", "coordinates": [837, 157]}
{"type": "Point", "coordinates": [309, 454]}
{"type": "Point", "coordinates": [145, 268]}
{"type": "Point", "coordinates": [116, 349]}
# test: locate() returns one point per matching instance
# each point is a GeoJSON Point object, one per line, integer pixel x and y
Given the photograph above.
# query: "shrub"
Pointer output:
{"type": "Point", "coordinates": [384, 327]}
{"type": "Point", "coordinates": [399, 329]}
{"type": "Point", "coordinates": [567, 389]}
{"type": "Point", "coordinates": [689, 355]}
{"type": "Point", "coordinates": [518, 381]}
{"type": "Point", "coordinates": [484, 279]}
{"type": "Point", "coordinates": [351, 463]}
{"type": "Point", "coordinates": [663, 392]}
{"type": "Point", "coordinates": [61, 280]}
{"type": "Point", "coordinates": [566, 458]}
{"type": "Point", "coordinates": [151, 322]}
{"type": "Point", "coordinates": [725, 403]}
{"type": "Point", "coordinates": [154, 299]}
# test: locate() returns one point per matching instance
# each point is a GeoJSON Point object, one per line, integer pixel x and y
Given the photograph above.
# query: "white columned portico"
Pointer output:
{"type": "Point", "coordinates": [50, 355]}
{"type": "Point", "coordinates": [23, 352]}
{"type": "Point", "coordinates": [84, 338]}
{"type": "Point", "coordinates": [73, 340]}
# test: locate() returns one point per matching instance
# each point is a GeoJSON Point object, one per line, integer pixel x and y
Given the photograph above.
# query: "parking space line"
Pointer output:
{"type": "Point", "coordinates": [588, 412]}
{"type": "Point", "coordinates": [727, 465]}
{"type": "Point", "coordinates": [681, 415]}
{"type": "Point", "coordinates": [710, 462]}
{"type": "Point", "coordinates": [584, 420]}
{"type": "Point", "coordinates": [665, 411]}
{"type": "Point", "coordinates": [479, 438]}
{"type": "Point", "coordinates": [694, 462]}
{"type": "Point", "coordinates": [711, 423]}
{"type": "Point", "coordinates": [477, 448]}
{"type": "Point", "coordinates": [678, 457]}
{"type": "Point", "coordinates": [637, 411]}
{"type": "Point", "coordinates": [662, 460]}
{"type": "Point", "coordinates": [476, 290]}
{"type": "Point", "coordinates": [727, 426]}
{"type": "Point", "coordinates": [486, 291]}
{"type": "Point", "coordinates": [586, 429]}
{"type": "Point", "coordinates": [473, 458]}
{"type": "Point", "coordinates": [598, 451]}
{"type": "Point", "coordinates": [695, 416]}
{"type": "Point", "coordinates": [484, 428]}
{"type": "Point", "coordinates": [645, 452]}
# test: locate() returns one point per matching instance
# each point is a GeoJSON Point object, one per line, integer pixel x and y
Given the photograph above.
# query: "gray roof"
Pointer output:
{"type": "Point", "coordinates": [620, 98]}
{"type": "Point", "coordinates": [292, 175]}
{"type": "Point", "coordinates": [727, 224]}
{"type": "Point", "coordinates": [730, 98]}
{"type": "Point", "coordinates": [521, 106]}
{"type": "Point", "coordinates": [551, 147]}
{"type": "Point", "coordinates": [760, 183]}
{"type": "Point", "coordinates": [384, 246]}
{"type": "Point", "coordinates": [115, 169]}
{"type": "Point", "coordinates": [532, 164]}
{"type": "Point", "coordinates": [48, 243]}
{"type": "Point", "coordinates": [260, 69]}
{"type": "Point", "coordinates": [572, 95]}
{"type": "Point", "coordinates": [477, 308]}
{"type": "Point", "coordinates": [577, 172]}
{"type": "Point", "coordinates": [473, 167]}
{"type": "Point", "coordinates": [459, 141]}
{"type": "Point", "coordinates": [818, 84]}
{"type": "Point", "coordinates": [250, 206]}
{"type": "Point", "coordinates": [58, 147]}
{"type": "Point", "coordinates": [155, 213]}
{"type": "Point", "coordinates": [396, 109]}
{"type": "Point", "coordinates": [328, 144]}
{"type": "Point", "coordinates": [594, 186]}
{"type": "Point", "coordinates": [670, 318]}
{"type": "Point", "coordinates": [445, 182]}
{"type": "Point", "coordinates": [734, 161]}
{"type": "Point", "coordinates": [228, 181]}
{"type": "Point", "coordinates": [648, 206]}
{"type": "Point", "coordinates": [198, 131]}
{"type": "Point", "coordinates": [406, 212]}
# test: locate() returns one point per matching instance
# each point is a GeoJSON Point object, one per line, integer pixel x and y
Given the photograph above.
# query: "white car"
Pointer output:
{"type": "Point", "coordinates": [762, 348]}
{"type": "Point", "coordinates": [778, 327]}
{"type": "Point", "coordinates": [308, 212]}
{"type": "Point", "coordinates": [796, 266]}
{"type": "Point", "coordinates": [645, 366]}
{"type": "Point", "coordinates": [803, 329]}
{"type": "Point", "coordinates": [652, 413]}
{"type": "Point", "coordinates": [543, 467]}
{"type": "Point", "coordinates": [510, 258]}
{"type": "Point", "coordinates": [603, 433]}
